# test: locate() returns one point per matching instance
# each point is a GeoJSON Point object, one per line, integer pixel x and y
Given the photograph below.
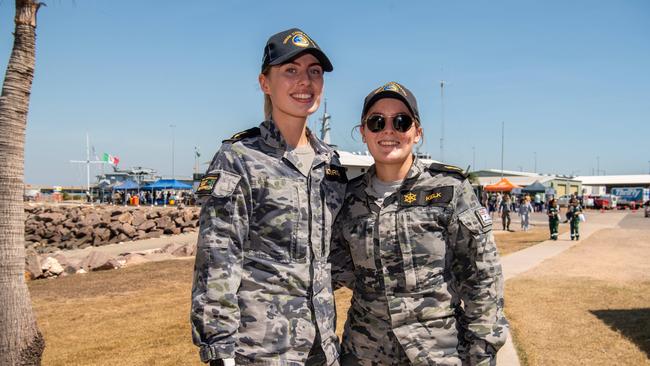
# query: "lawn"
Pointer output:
{"type": "Point", "coordinates": [139, 315]}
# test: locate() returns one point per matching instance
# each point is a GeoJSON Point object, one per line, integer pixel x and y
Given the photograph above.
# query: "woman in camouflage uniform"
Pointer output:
{"type": "Point", "coordinates": [262, 292]}
{"type": "Point", "coordinates": [413, 242]}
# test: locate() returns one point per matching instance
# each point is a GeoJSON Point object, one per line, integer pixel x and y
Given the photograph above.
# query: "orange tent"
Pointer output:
{"type": "Point", "coordinates": [504, 185]}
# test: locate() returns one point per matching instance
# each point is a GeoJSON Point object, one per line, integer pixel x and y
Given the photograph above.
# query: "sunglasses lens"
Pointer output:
{"type": "Point", "coordinates": [402, 122]}
{"type": "Point", "coordinates": [375, 123]}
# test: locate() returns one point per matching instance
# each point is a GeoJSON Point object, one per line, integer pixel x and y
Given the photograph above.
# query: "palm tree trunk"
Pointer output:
{"type": "Point", "coordinates": [21, 342]}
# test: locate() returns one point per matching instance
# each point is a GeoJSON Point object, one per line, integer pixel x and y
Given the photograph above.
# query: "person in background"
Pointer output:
{"type": "Point", "coordinates": [574, 222]}
{"type": "Point", "coordinates": [553, 212]}
{"type": "Point", "coordinates": [504, 210]}
{"type": "Point", "coordinates": [416, 247]}
{"type": "Point", "coordinates": [525, 208]}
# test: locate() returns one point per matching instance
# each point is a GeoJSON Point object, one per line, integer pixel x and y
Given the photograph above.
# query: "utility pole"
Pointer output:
{"type": "Point", "coordinates": [442, 119]}
{"type": "Point", "coordinates": [597, 165]}
{"type": "Point", "coordinates": [535, 154]}
{"type": "Point", "coordinates": [173, 127]}
{"type": "Point", "coordinates": [325, 125]}
{"type": "Point", "coordinates": [503, 124]}
{"type": "Point", "coordinates": [474, 157]}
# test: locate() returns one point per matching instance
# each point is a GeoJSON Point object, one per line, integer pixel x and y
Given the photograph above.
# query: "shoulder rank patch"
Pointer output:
{"type": "Point", "coordinates": [484, 217]}
{"type": "Point", "coordinates": [439, 196]}
{"type": "Point", "coordinates": [255, 131]}
{"type": "Point", "coordinates": [207, 184]}
{"type": "Point", "coordinates": [436, 167]}
{"type": "Point", "coordinates": [336, 173]}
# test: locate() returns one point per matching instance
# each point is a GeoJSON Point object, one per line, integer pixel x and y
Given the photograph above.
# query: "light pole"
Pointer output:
{"type": "Point", "coordinates": [503, 124]}
{"type": "Point", "coordinates": [535, 153]}
{"type": "Point", "coordinates": [442, 121]}
{"type": "Point", "coordinates": [173, 127]}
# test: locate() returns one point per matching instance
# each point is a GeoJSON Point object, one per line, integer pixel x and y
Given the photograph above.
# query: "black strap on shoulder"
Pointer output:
{"type": "Point", "coordinates": [255, 131]}
{"type": "Point", "coordinates": [450, 169]}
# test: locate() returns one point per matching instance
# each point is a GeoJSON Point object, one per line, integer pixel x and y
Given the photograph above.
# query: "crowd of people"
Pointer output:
{"type": "Point", "coordinates": [161, 197]}
{"type": "Point", "coordinates": [504, 204]}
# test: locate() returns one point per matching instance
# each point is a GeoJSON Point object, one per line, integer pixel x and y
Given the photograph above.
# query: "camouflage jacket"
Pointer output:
{"type": "Point", "coordinates": [262, 289]}
{"type": "Point", "coordinates": [411, 263]}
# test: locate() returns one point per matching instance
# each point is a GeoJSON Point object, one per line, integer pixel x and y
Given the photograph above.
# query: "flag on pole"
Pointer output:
{"type": "Point", "coordinates": [111, 159]}
{"type": "Point", "coordinates": [196, 152]}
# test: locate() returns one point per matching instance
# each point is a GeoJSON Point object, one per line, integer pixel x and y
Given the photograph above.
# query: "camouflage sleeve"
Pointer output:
{"type": "Point", "coordinates": [223, 228]}
{"type": "Point", "coordinates": [340, 256]}
{"type": "Point", "coordinates": [479, 281]}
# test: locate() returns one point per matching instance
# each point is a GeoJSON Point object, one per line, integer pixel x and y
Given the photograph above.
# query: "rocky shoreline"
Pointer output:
{"type": "Point", "coordinates": [49, 228]}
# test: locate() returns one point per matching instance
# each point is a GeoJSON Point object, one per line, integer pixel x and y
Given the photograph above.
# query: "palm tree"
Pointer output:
{"type": "Point", "coordinates": [21, 342]}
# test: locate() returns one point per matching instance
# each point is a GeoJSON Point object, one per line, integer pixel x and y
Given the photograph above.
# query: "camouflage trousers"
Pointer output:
{"type": "Point", "coordinates": [387, 355]}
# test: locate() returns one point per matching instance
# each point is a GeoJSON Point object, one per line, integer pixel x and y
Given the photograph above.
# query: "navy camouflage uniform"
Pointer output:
{"type": "Point", "coordinates": [262, 291]}
{"type": "Point", "coordinates": [411, 263]}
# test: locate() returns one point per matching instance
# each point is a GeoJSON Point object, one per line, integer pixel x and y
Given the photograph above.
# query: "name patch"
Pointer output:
{"type": "Point", "coordinates": [207, 184]}
{"type": "Point", "coordinates": [439, 196]}
{"type": "Point", "coordinates": [336, 173]}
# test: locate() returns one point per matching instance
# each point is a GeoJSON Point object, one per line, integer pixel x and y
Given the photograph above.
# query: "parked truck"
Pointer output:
{"type": "Point", "coordinates": [631, 197]}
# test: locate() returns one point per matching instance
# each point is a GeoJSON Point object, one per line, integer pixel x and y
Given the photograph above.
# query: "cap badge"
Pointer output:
{"type": "Point", "coordinates": [298, 39]}
{"type": "Point", "coordinates": [392, 86]}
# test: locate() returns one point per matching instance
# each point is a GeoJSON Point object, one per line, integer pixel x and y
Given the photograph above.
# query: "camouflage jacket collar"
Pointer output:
{"type": "Point", "coordinates": [271, 135]}
{"type": "Point", "coordinates": [416, 169]}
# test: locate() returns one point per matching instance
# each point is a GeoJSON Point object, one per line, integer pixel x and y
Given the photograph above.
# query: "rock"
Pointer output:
{"type": "Point", "coordinates": [52, 266]}
{"type": "Point", "coordinates": [164, 222]}
{"type": "Point", "coordinates": [33, 264]}
{"type": "Point", "coordinates": [147, 225]}
{"type": "Point", "coordinates": [154, 233]}
{"type": "Point", "coordinates": [81, 271]}
{"type": "Point", "coordinates": [134, 259]}
{"type": "Point", "coordinates": [54, 218]}
{"type": "Point", "coordinates": [97, 261]}
{"type": "Point", "coordinates": [138, 218]}
{"type": "Point", "coordinates": [186, 250]}
{"type": "Point", "coordinates": [125, 218]}
{"type": "Point", "coordinates": [172, 231]}
{"type": "Point", "coordinates": [128, 229]}
{"type": "Point", "coordinates": [171, 247]}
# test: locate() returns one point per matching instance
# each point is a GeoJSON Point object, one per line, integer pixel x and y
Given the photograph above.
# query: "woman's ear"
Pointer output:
{"type": "Point", "coordinates": [264, 84]}
{"type": "Point", "coordinates": [418, 134]}
{"type": "Point", "coordinates": [362, 131]}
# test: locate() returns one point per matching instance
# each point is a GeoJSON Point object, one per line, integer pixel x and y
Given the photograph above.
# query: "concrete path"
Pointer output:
{"type": "Point", "coordinates": [526, 259]}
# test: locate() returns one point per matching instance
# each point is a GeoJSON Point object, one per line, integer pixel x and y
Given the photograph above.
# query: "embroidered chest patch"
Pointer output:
{"type": "Point", "coordinates": [336, 173]}
{"type": "Point", "coordinates": [439, 196]}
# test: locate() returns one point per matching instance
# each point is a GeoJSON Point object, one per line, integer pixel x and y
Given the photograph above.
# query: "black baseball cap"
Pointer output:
{"type": "Point", "coordinates": [392, 90]}
{"type": "Point", "coordinates": [284, 46]}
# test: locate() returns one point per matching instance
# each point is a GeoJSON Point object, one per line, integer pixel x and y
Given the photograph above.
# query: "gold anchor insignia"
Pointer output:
{"type": "Point", "coordinates": [410, 197]}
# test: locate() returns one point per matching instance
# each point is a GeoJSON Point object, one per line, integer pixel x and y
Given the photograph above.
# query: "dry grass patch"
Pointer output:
{"type": "Point", "coordinates": [579, 321]}
{"type": "Point", "coordinates": [509, 242]}
{"type": "Point", "coordinates": [588, 306]}
{"type": "Point", "coordinates": [132, 316]}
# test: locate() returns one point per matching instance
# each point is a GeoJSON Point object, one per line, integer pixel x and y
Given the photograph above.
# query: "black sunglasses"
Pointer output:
{"type": "Point", "coordinates": [377, 122]}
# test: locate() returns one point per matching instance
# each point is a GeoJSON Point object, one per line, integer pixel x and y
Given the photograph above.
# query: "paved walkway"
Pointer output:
{"type": "Point", "coordinates": [523, 260]}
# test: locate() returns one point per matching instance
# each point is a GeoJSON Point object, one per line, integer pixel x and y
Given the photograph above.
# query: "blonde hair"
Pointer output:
{"type": "Point", "coordinates": [268, 104]}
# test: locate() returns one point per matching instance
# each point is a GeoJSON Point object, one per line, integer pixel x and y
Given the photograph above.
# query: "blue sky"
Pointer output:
{"type": "Point", "coordinates": [571, 80]}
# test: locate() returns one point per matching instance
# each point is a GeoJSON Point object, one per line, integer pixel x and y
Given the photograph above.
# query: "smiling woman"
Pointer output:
{"type": "Point", "coordinates": [262, 290]}
{"type": "Point", "coordinates": [416, 247]}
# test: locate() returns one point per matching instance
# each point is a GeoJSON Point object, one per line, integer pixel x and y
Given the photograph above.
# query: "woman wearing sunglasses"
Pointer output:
{"type": "Point", "coordinates": [416, 247]}
{"type": "Point", "coordinates": [262, 292]}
